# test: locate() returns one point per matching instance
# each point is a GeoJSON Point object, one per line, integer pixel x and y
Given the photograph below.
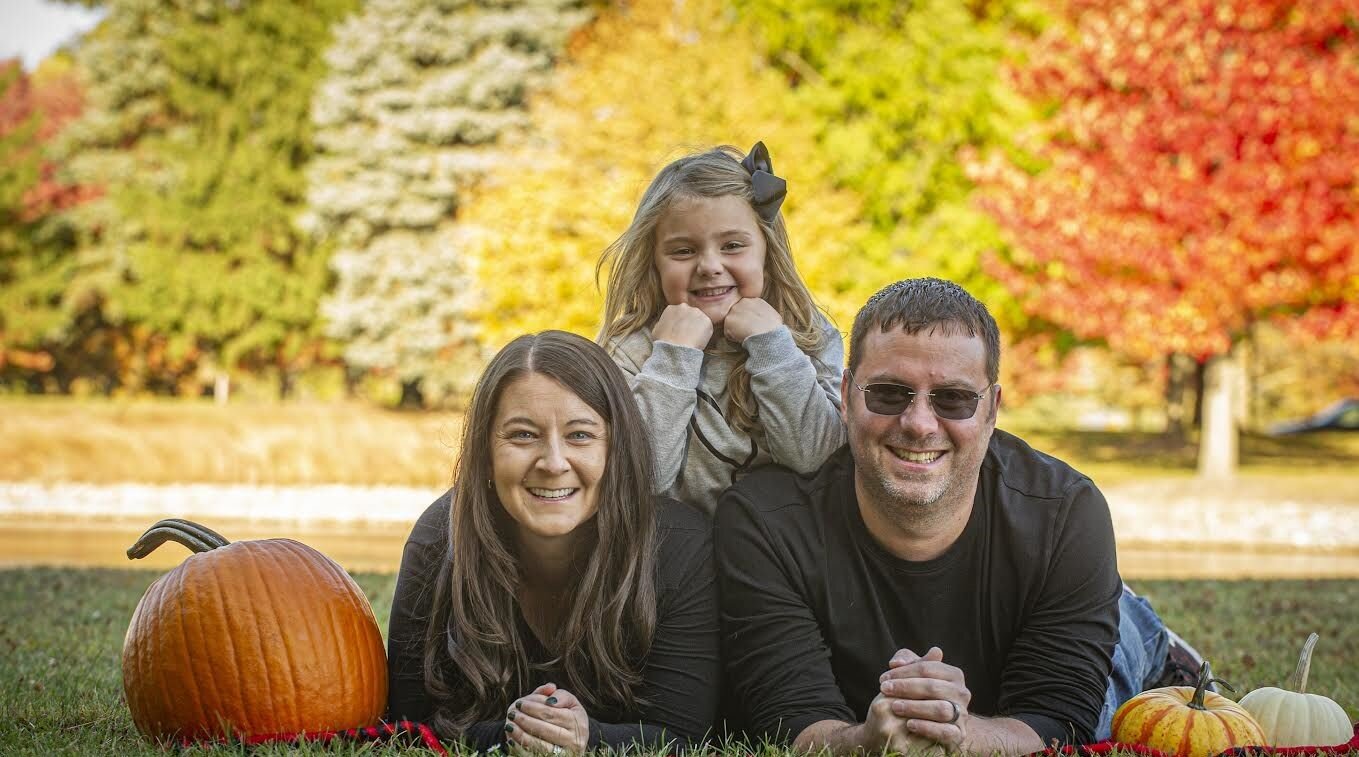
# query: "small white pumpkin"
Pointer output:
{"type": "Point", "coordinates": [1296, 718]}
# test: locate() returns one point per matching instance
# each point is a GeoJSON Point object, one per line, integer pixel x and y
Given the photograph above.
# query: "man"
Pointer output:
{"type": "Point", "coordinates": [936, 582]}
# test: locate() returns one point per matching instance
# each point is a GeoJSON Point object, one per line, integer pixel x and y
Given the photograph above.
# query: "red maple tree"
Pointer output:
{"type": "Point", "coordinates": [34, 108]}
{"type": "Point", "coordinates": [1203, 173]}
{"type": "Point", "coordinates": [47, 101]}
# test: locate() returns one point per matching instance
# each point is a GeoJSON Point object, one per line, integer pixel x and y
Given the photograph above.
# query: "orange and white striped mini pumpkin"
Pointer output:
{"type": "Point", "coordinates": [1186, 721]}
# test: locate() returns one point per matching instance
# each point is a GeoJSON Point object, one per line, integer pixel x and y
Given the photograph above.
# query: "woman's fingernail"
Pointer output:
{"type": "Point", "coordinates": [518, 704]}
{"type": "Point", "coordinates": [551, 701]}
{"type": "Point", "coordinates": [508, 727]}
{"type": "Point", "coordinates": [511, 715]}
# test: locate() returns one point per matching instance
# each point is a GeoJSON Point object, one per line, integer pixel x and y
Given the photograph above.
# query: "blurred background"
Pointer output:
{"type": "Point", "coordinates": [253, 253]}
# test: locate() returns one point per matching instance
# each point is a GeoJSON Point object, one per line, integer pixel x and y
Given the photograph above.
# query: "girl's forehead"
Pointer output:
{"type": "Point", "coordinates": [728, 207]}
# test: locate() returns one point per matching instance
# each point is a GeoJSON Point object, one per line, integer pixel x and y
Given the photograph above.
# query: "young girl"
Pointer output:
{"type": "Point", "coordinates": [729, 358]}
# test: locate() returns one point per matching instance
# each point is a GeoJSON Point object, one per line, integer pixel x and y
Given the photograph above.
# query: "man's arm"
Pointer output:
{"type": "Point", "coordinates": [931, 698]}
{"type": "Point", "coordinates": [882, 731]}
{"type": "Point", "coordinates": [1058, 667]}
{"type": "Point", "coordinates": [887, 730]}
{"type": "Point", "coordinates": [778, 661]}
{"type": "Point", "coordinates": [990, 736]}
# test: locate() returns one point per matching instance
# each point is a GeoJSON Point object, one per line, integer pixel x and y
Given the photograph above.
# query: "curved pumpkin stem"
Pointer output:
{"type": "Point", "coordinates": [197, 538]}
{"type": "Point", "coordinates": [1201, 688]}
{"type": "Point", "coordinates": [1305, 663]}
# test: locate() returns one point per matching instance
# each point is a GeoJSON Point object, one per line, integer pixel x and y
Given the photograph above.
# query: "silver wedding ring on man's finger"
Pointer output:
{"type": "Point", "coordinates": [956, 711]}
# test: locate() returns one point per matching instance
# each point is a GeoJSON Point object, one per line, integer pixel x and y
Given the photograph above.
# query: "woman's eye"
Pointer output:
{"type": "Point", "coordinates": [732, 246]}
{"type": "Point", "coordinates": [521, 435]}
{"type": "Point", "coordinates": [681, 252]}
{"type": "Point", "coordinates": [580, 436]}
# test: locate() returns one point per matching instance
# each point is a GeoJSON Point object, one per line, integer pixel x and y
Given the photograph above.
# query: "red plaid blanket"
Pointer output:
{"type": "Point", "coordinates": [1105, 747]}
{"type": "Point", "coordinates": [417, 734]}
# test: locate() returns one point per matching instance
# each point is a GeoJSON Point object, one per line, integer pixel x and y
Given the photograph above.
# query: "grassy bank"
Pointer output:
{"type": "Point", "coordinates": [61, 636]}
{"type": "Point", "coordinates": [159, 441]}
{"type": "Point", "coordinates": [162, 441]}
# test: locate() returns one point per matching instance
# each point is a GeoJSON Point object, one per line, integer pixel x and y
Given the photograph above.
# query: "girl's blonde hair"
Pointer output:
{"type": "Point", "coordinates": [634, 298]}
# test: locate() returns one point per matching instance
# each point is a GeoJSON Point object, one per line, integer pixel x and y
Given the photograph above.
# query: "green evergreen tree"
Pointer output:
{"type": "Point", "coordinates": [198, 126]}
{"type": "Point", "coordinates": [125, 81]}
{"type": "Point", "coordinates": [218, 267]}
{"type": "Point", "coordinates": [420, 96]}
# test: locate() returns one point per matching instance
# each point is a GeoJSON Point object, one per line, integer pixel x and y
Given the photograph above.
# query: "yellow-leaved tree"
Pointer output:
{"type": "Point", "coordinates": [642, 85]}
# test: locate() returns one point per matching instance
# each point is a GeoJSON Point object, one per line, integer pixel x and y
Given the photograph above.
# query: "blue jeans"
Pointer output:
{"type": "Point", "coordinates": [1139, 656]}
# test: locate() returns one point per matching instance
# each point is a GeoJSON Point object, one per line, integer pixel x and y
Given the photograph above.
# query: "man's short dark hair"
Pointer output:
{"type": "Point", "coordinates": [919, 304]}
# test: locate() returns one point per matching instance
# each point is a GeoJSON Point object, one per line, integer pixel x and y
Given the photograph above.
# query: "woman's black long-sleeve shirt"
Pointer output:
{"type": "Point", "coordinates": [681, 676]}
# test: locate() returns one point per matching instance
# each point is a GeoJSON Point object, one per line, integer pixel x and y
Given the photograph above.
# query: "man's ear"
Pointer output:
{"type": "Point", "coordinates": [995, 410]}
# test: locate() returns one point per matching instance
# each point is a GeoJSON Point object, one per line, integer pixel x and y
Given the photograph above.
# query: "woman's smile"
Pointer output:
{"type": "Point", "coordinates": [552, 495]}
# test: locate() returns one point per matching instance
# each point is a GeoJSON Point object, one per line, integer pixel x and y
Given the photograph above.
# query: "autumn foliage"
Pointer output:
{"type": "Point", "coordinates": [38, 106]}
{"type": "Point", "coordinates": [637, 90]}
{"type": "Point", "coordinates": [1203, 173]}
{"type": "Point", "coordinates": [34, 109]}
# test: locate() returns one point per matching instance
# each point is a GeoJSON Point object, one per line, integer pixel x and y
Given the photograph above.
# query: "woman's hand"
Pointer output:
{"type": "Point", "coordinates": [684, 325]}
{"type": "Point", "coordinates": [548, 721]}
{"type": "Point", "coordinates": [749, 317]}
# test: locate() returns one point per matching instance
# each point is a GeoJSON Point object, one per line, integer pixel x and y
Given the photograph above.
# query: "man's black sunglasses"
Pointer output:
{"type": "Point", "coordinates": [949, 404]}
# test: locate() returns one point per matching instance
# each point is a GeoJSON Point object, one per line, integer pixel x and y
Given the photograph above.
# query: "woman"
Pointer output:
{"type": "Point", "coordinates": [549, 601]}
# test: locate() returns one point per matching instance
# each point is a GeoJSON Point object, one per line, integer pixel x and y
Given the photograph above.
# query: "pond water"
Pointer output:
{"type": "Point", "coordinates": [102, 542]}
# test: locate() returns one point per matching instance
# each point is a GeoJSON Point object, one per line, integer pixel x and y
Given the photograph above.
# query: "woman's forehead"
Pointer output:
{"type": "Point", "coordinates": [537, 395]}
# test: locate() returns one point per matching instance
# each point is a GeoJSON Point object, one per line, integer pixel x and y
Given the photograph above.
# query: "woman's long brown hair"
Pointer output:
{"type": "Point", "coordinates": [475, 661]}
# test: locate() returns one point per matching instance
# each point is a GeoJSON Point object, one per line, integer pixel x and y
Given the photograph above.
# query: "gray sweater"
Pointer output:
{"type": "Point", "coordinates": [682, 392]}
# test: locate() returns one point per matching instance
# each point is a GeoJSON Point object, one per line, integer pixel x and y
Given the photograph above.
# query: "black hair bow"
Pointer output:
{"type": "Point", "coordinates": [769, 189]}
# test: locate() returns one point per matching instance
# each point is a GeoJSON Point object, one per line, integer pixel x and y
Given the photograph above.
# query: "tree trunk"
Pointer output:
{"type": "Point", "coordinates": [1252, 407]}
{"type": "Point", "coordinates": [1178, 368]}
{"type": "Point", "coordinates": [287, 382]}
{"type": "Point", "coordinates": [221, 388]}
{"type": "Point", "coordinates": [1218, 434]}
{"type": "Point", "coordinates": [411, 396]}
{"type": "Point", "coordinates": [1199, 382]}
{"type": "Point", "coordinates": [352, 378]}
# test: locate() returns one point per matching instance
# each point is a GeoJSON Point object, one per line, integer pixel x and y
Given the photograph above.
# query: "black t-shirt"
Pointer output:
{"type": "Point", "coordinates": [1025, 602]}
{"type": "Point", "coordinates": [680, 680]}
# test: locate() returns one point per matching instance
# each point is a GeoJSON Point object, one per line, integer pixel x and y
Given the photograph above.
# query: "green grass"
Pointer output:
{"type": "Point", "coordinates": [61, 634]}
{"type": "Point", "coordinates": [61, 637]}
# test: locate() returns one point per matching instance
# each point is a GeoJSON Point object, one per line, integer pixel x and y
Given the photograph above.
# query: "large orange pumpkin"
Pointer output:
{"type": "Point", "coordinates": [1187, 721]}
{"type": "Point", "coordinates": [252, 638]}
